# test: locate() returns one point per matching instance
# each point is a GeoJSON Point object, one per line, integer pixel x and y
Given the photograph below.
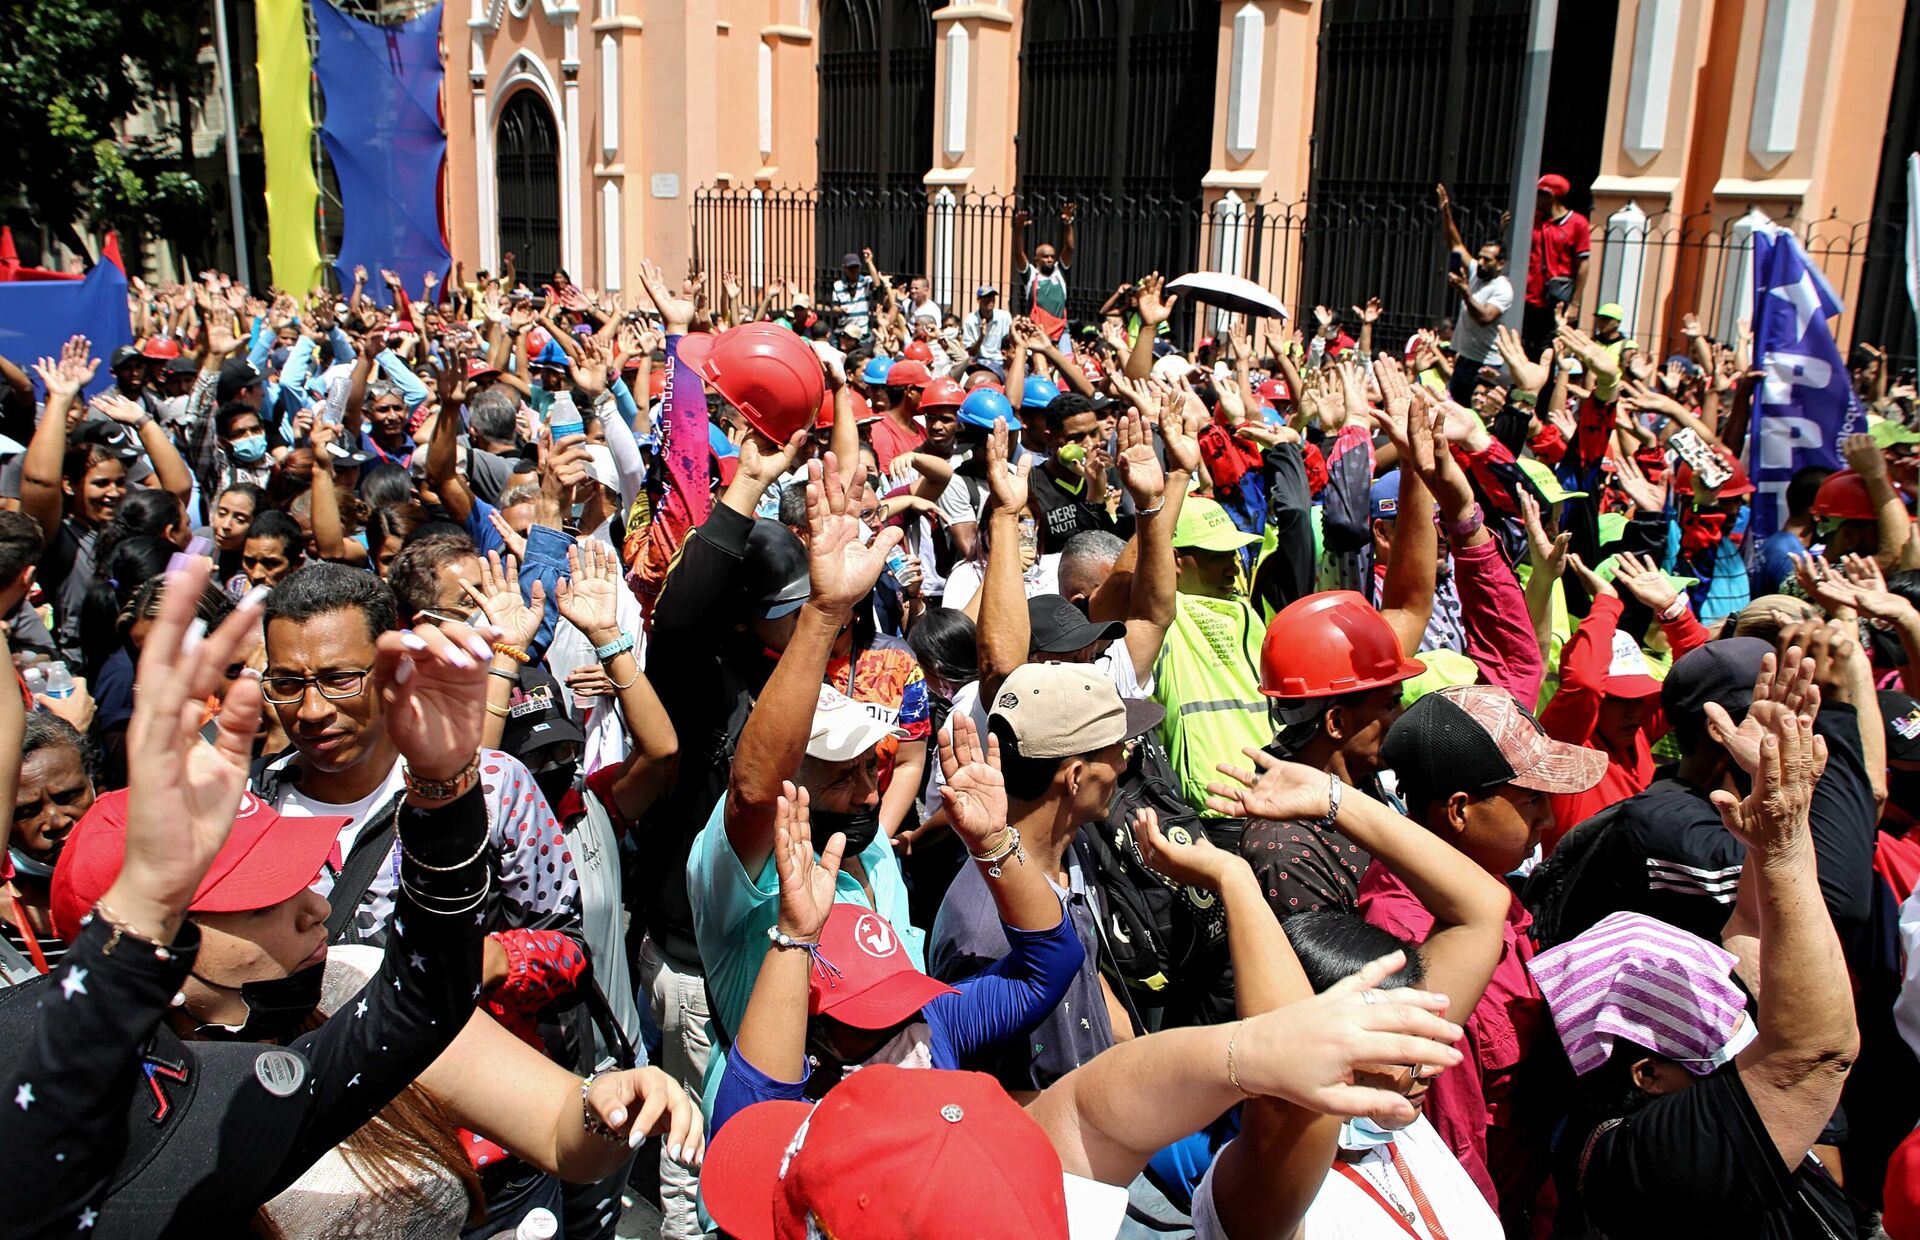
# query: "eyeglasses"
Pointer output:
{"type": "Point", "coordinates": [337, 686]}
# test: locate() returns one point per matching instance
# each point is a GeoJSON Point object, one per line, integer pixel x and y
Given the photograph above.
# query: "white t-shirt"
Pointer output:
{"type": "Point", "coordinates": [964, 582]}
{"type": "Point", "coordinates": [1342, 1210]}
{"type": "Point", "coordinates": [1116, 663]}
{"type": "Point", "coordinates": [1473, 341]}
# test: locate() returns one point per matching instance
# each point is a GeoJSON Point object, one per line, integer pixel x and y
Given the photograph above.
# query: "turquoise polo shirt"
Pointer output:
{"type": "Point", "coordinates": [732, 912]}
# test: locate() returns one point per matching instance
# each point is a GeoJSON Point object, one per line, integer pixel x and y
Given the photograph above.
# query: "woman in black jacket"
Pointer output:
{"type": "Point", "coordinates": [114, 1124]}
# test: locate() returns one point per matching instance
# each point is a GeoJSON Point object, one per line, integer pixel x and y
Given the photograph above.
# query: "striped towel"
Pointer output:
{"type": "Point", "coordinates": [1635, 977]}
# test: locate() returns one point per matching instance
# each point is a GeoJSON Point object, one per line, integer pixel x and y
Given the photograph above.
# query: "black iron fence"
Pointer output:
{"type": "Point", "coordinates": [1335, 253]}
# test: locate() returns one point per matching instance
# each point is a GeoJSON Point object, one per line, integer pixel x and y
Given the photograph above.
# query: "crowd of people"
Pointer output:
{"type": "Point", "coordinates": [869, 768]}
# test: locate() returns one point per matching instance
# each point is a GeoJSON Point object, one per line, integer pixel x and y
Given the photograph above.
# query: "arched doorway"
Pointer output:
{"type": "Point", "coordinates": [528, 186]}
{"type": "Point", "coordinates": [876, 130]}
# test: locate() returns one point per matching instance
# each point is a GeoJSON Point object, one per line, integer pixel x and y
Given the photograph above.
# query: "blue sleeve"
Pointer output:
{"type": "Point", "coordinates": [546, 561]}
{"type": "Point", "coordinates": [623, 400]}
{"type": "Point", "coordinates": [742, 1085]}
{"type": "Point", "coordinates": [1011, 995]}
{"type": "Point", "coordinates": [412, 390]}
{"type": "Point", "coordinates": [1182, 1164]}
{"type": "Point", "coordinates": [480, 528]}
{"type": "Point", "coordinates": [342, 348]}
{"type": "Point", "coordinates": [259, 345]}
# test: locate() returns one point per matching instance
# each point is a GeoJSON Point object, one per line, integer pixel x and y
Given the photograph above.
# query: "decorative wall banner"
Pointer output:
{"type": "Point", "coordinates": [286, 136]}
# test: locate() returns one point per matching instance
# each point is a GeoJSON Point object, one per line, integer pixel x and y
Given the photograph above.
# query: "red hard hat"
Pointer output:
{"type": "Point", "coordinates": [1844, 496]}
{"type": "Point", "coordinates": [942, 394]}
{"type": "Point", "coordinates": [769, 374]}
{"type": "Point", "coordinates": [160, 348]}
{"type": "Point", "coordinates": [1331, 643]}
{"type": "Point", "coordinates": [919, 351]}
{"type": "Point", "coordinates": [909, 373]}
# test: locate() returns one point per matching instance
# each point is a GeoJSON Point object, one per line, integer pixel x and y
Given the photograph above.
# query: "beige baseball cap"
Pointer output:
{"type": "Point", "coordinates": [1064, 710]}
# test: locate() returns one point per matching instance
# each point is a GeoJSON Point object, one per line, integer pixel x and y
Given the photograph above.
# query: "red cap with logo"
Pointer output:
{"type": "Point", "coordinates": [265, 860]}
{"type": "Point", "coordinates": [889, 1154]}
{"type": "Point", "coordinates": [477, 366]}
{"type": "Point", "coordinates": [863, 976]}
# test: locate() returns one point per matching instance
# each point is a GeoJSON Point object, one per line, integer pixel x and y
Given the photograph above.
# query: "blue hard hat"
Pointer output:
{"type": "Point", "coordinates": [983, 405]}
{"type": "Point", "coordinates": [875, 371]}
{"type": "Point", "coordinates": [1038, 393]}
{"type": "Point", "coordinates": [550, 354]}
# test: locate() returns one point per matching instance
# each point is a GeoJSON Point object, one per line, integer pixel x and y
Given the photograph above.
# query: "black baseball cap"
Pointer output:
{"type": "Point", "coordinates": [1720, 671]}
{"type": "Point", "coordinates": [123, 355]}
{"type": "Point", "coordinates": [1473, 738]}
{"type": "Point", "coordinates": [537, 715]}
{"type": "Point", "coordinates": [1056, 626]}
{"type": "Point", "coordinates": [236, 376]}
{"type": "Point", "coordinates": [182, 365]}
{"type": "Point", "coordinates": [115, 438]}
{"type": "Point", "coordinates": [774, 571]}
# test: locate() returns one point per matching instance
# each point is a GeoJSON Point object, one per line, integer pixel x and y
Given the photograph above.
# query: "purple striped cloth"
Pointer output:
{"type": "Point", "coordinates": [1635, 977]}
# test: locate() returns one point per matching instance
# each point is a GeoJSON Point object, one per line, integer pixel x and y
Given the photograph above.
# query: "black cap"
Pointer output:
{"type": "Point", "coordinates": [1720, 671]}
{"type": "Point", "coordinates": [1056, 626]}
{"type": "Point", "coordinates": [124, 354]}
{"type": "Point", "coordinates": [537, 715]}
{"type": "Point", "coordinates": [236, 376]}
{"type": "Point", "coordinates": [1472, 738]}
{"type": "Point", "coordinates": [774, 571]}
{"type": "Point", "coordinates": [182, 365]}
{"type": "Point", "coordinates": [849, 259]}
{"type": "Point", "coordinates": [1902, 716]}
{"type": "Point", "coordinates": [115, 438]}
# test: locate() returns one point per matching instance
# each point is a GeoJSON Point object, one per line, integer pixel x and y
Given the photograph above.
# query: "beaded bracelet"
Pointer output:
{"type": "Point", "coordinates": [591, 1122]}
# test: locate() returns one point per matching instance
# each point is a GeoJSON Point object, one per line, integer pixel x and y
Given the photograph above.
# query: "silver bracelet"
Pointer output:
{"type": "Point", "coordinates": [1147, 512]}
{"type": "Point", "coordinates": [1010, 847]}
{"type": "Point", "coordinates": [592, 1122]}
{"type": "Point", "coordinates": [1334, 788]}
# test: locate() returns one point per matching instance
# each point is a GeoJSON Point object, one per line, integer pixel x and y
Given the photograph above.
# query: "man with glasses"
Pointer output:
{"type": "Point", "coordinates": [385, 436]}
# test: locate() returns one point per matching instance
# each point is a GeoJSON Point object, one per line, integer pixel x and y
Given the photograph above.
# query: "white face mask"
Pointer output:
{"type": "Point", "coordinates": [1741, 1038]}
{"type": "Point", "coordinates": [173, 409]}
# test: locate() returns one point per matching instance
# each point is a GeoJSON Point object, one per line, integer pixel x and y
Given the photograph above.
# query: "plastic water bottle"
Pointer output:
{"type": "Point", "coordinates": [36, 681]}
{"type": "Point", "coordinates": [1030, 541]}
{"type": "Point", "coordinates": [59, 680]}
{"type": "Point", "coordinates": [896, 563]}
{"type": "Point", "coordinates": [540, 1224]}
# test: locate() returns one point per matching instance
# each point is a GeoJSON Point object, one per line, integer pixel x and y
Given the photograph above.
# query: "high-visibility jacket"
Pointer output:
{"type": "Point", "coordinates": [1208, 680]}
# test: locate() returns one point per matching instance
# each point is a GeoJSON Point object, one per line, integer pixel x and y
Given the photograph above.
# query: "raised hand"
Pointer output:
{"type": "Point", "coordinates": [1549, 554]}
{"type": "Point", "coordinates": [843, 570]}
{"type": "Point", "coordinates": [975, 790]}
{"type": "Point", "coordinates": [497, 594]}
{"type": "Point", "coordinates": [433, 686]}
{"type": "Point", "coordinates": [1369, 313]}
{"type": "Point", "coordinates": [1528, 375]}
{"type": "Point", "coordinates": [184, 792]}
{"type": "Point", "coordinates": [1829, 588]}
{"type": "Point", "coordinates": [1273, 789]}
{"type": "Point", "coordinates": [1595, 584]}
{"type": "Point", "coordinates": [1870, 592]}
{"type": "Point", "coordinates": [590, 597]}
{"type": "Point", "coordinates": [1639, 576]}
{"type": "Point", "coordinates": [676, 313]}
{"type": "Point", "coordinates": [1864, 456]}
{"type": "Point", "coordinates": [1006, 487]}
{"type": "Point", "coordinates": [767, 467]}
{"type": "Point", "coordinates": [1152, 307]}
{"type": "Point", "coordinates": [119, 408]}
{"type": "Point", "coordinates": [1182, 418]}
{"type": "Point", "coordinates": [1140, 470]}
{"type": "Point", "coordinates": [1185, 857]}
{"type": "Point", "coordinates": [1310, 1052]}
{"type": "Point", "coordinates": [806, 884]}
{"type": "Point", "coordinates": [589, 368]}
{"type": "Point", "coordinates": [1647, 495]}
{"type": "Point", "coordinates": [1781, 688]}
{"type": "Point", "coordinates": [1787, 760]}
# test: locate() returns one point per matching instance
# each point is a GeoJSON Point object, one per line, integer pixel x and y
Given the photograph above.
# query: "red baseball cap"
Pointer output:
{"type": "Point", "coordinates": [265, 860]}
{"type": "Point", "coordinates": [872, 983]}
{"type": "Point", "coordinates": [477, 366]}
{"type": "Point", "coordinates": [890, 1153]}
{"type": "Point", "coordinates": [908, 373]}
{"type": "Point", "coordinates": [1555, 184]}
{"type": "Point", "coordinates": [1273, 391]}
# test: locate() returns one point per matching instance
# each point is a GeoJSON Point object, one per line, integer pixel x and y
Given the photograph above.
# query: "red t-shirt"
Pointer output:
{"type": "Point", "coordinates": [890, 439]}
{"type": "Point", "coordinates": [1558, 246]}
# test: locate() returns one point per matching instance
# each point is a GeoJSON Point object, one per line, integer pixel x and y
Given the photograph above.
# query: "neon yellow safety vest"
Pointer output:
{"type": "Point", "coordinates": [1208, 680]}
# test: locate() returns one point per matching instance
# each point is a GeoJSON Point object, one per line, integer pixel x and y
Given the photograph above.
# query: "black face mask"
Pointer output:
{"type": "Point", "coordinates": [860, 827]}
{"type": "Point", "coordinates": [554, 783]}
{"type": "Point", "coordinates": [939, 706]}
{"type": "Point", "coordinates": [277, 1010]}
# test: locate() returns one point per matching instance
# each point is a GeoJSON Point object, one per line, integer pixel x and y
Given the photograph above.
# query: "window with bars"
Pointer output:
{"type": "Point", "coordinates": [527, 159]}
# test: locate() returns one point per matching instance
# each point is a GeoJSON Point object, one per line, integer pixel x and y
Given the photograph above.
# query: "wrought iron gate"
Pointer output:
{"type": "Point", "coordinates": [528, 186]}
{"type": "Point", "coordinates": [876, 129]}
{"type": "Point", "coordinates": [1116, 114]}
{"type": "Point", "coordinates": [1409, 93]}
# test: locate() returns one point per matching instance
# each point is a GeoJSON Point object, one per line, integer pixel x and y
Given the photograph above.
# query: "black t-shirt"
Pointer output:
{"type": "Point", "coordinates": [1697, 1163]}
{"type": "Point", "coordinates": [1665, 853]}
{"type": "Point", "coordinates": [1062, 512]}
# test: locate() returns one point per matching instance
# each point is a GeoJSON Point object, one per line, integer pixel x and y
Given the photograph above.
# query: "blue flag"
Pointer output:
{"type": "Point", "coordinates": [37, 316]}
{"type": "Point", "coordinates": [1805, 405]}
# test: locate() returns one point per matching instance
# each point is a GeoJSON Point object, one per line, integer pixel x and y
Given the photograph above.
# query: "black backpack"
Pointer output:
{"type": "Point", "coordinates": [1164, 945]}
